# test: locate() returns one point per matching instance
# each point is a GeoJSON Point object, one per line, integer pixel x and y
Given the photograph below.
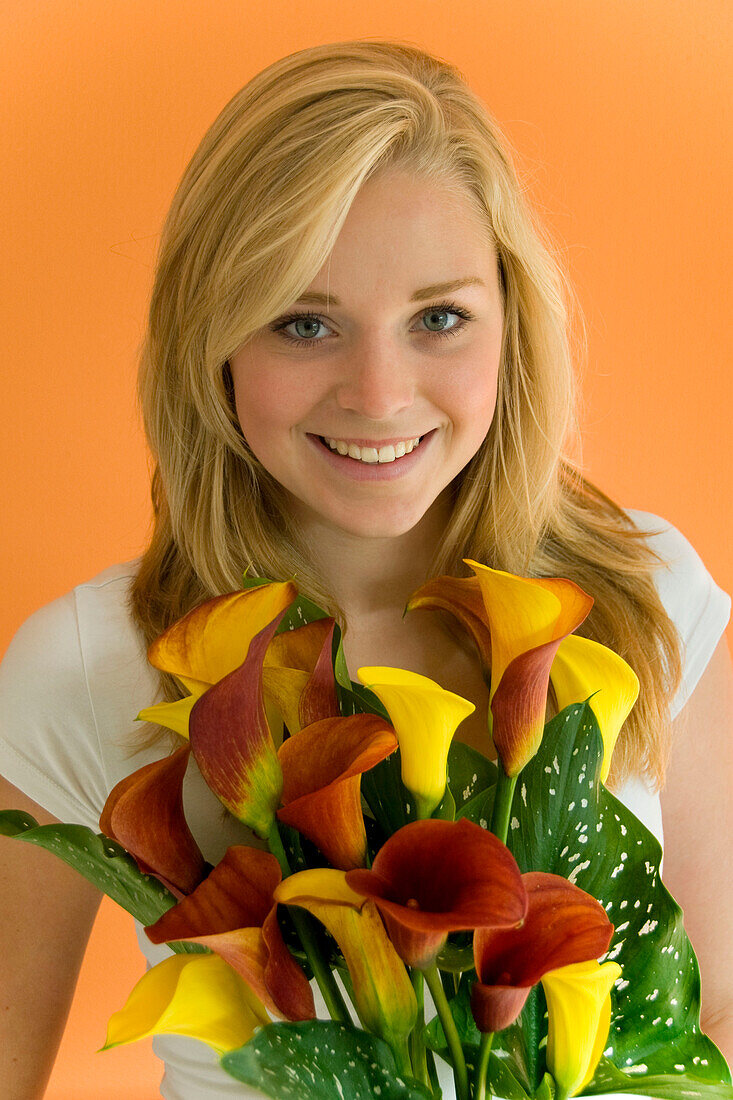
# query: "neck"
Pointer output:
{"type": "Point", "coordinates": [373, 576]}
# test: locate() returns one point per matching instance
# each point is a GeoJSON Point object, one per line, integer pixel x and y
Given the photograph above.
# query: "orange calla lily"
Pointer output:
{"type": "Point", "coordinates": [211, 640]}
{"type": "Point", "coordinates": [322, 767]}
{"type": "Point", "coordinates": [383, 993]}
{"type": "Point", "coordinates": [563, 925]}
{"type": "Point", "coordinates": [232, 743]}
{"type": "Point", "coordinates": [297, 674]}
{"type": "Point", "coordinates": [433, 877]}
{"type": "Point", "coordinates": [233, 912]}
{"type": "Point", "coordinates": [317, 770]}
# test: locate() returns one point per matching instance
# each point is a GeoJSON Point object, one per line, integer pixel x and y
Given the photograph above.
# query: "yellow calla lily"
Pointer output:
{"type": "Point", "coordinates": [424, 717]}
{"type": "Point", "coordinates": [200, 996]}
{"type": "Point", "coordinates": [579, 1017]}
{"type": "Point", "coordinates": [582, 667]}
{"type": "Point", "coordinates": [174, 716]}
{"type": "Point", "coordinates": [384, 996]}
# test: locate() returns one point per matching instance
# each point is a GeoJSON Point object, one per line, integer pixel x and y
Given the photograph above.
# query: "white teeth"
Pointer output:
{"type": "Point", "coordinates": [371, 454]}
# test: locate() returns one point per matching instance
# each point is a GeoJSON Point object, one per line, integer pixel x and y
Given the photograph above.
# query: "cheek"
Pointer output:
{"type": "Point", "coordinates": [469, 396]}
{"type": "Point", "coordinates": [264, 403]}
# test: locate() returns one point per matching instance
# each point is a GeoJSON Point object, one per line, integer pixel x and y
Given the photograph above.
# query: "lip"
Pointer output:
{"type": "Point", "coordinates": [374, 443]}
{"type": "Point", "coordinates": [372, 471]}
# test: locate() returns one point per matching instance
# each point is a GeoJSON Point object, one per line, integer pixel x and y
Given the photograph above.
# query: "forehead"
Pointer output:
{"type": "Point", "coordinates": [408, 238]}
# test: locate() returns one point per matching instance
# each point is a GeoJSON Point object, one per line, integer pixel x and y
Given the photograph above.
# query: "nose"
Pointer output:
{"type": "Point", "coordinates": [375, 382]}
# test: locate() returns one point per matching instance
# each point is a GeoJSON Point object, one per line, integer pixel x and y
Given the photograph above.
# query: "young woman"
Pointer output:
{"type": "Point", "coordinates": [348, 266]}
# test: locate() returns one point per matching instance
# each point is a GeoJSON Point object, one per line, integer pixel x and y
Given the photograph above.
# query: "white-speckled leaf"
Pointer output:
{"type": "Point", "coordinates": [320, 1060]}
{"type": "Point", "coordinates": [563, 820]}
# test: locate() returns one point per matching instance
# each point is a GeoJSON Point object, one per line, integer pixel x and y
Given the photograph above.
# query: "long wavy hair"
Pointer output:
{"type": "Point", "coordinates": [253, 220]}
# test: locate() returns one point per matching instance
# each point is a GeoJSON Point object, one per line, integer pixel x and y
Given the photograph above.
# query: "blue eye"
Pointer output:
{"type": "Point", "coordinates": [282, 323]}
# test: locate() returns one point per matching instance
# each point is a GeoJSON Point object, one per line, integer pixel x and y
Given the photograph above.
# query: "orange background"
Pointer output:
{"type": "Point", "coordinates": [616, 110]}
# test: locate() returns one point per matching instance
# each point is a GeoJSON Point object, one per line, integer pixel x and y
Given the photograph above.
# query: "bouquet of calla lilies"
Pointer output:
{"type": "Point", "coordinates": [504, 919]}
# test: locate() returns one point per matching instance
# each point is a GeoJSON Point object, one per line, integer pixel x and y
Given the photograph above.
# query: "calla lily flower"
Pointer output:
{"type": "Point", "coordinates": [195, 995]}
{"type": "Point", "coordinates": [233, 913]}
{"type": "Point", "coordinates": [316, 772]}
{"type": "Point", "coordinates": [433, 877]}
{"type": "Point", "coordinates": [236, 717]}
{"type": "Point", "coordinates": [232, 743]}
{"type": "Point", "coordinates": [208, 643]}
{"type": "Point", "coordinates": [211, 640]}
{"type": "Point", "coordinates": [383, 993]}
{"type": "Point", "coordinates": [425, 717]}
{"type": "Point", "coordinates": [297, 674]}
{"type": "Point", "coordinates": [322, 767]}
{"type": "Point", "coordinates": [144, 813]}
{"type": "Point", "coordinates": [526, 619]}
{"type": "Point", "coordinates": [563, 925]}
{"type": "Point", "coordinates": [583, 667]}
{"type": "Point", "coordinates": [579, 1018]}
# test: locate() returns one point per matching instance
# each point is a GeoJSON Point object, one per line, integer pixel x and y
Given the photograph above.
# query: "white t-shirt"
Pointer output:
{"type": "Point", "coordinates": [76, 674]}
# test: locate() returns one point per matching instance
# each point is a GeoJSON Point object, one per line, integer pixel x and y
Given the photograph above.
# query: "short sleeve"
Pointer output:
{"type": "Point", "coordinates": [49, 745]}
{"type": "Point", "coordinates": [698, 606]}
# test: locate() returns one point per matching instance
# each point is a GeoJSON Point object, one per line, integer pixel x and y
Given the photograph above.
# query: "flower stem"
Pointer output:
{"type": "Point", "coordinates": [479, 1089]}
{"type": "Point", "coordinates": [304, 927]}
{"type": "Point", "coordinates": [502, 804]}
{"type": "Point", "coordinates": [402, 1058]}
{"type": "Point", "coordinates": [417, 1042]}
{"type": "Point", "coordinates": [449, 1029]}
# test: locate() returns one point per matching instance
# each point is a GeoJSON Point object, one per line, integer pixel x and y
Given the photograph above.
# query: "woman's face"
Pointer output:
{"type": "Point", "coordinates": [380, 362]}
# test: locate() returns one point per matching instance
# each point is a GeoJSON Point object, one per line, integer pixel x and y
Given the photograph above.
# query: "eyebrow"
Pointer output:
{"type": "Point", "coordinates": [421, 295]}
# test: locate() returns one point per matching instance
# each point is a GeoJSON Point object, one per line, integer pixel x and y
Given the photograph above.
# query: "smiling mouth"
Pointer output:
{"type": "Point", "coordinates": [334, 450]}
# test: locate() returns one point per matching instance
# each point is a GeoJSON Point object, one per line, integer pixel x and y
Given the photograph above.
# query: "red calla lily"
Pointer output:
{"type": "Point", "coordinates": [144, 813]}
{"type": "Point", "coordinates": [563, 925]}
{"type": "Point", "coordinates": [433, 877]}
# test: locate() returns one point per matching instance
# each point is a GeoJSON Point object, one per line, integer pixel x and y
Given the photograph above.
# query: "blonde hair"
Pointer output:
{"type": "Point", "coordinates": [254, 218]}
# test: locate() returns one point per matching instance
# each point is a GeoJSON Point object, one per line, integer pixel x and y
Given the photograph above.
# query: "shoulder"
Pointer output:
{"type": "Point", "coordinates": [89, 620]}
{"type": "Point", "coordinates": [695, 602]}
{"type": "Point", "coordinates": [59, 666]}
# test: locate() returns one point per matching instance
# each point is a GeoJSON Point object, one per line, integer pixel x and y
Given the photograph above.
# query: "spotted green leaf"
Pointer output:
{"type": "Point", "coordinates": [320, 1060]}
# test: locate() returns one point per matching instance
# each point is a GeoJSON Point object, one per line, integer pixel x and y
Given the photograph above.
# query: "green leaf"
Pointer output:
{"type": "Point", "coordinates": [387, 797]}
{"type": "Point", "coordinates": [320, 1060]}
{"type": "Point", "coordinates": [252, 582]}
{"type": "Point", "coordinates": [470, 773]}
{"type": "Point", "coordinates": [460, 1006]}
{"type": "Point", "coordinates": [102, 861]}
{"type": "Point", "coordinates": [672, 1086]}
{"type": "Point", "coordinates": [546, 1091]}
{"type": "Point", "coordinates": [563, 820]}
